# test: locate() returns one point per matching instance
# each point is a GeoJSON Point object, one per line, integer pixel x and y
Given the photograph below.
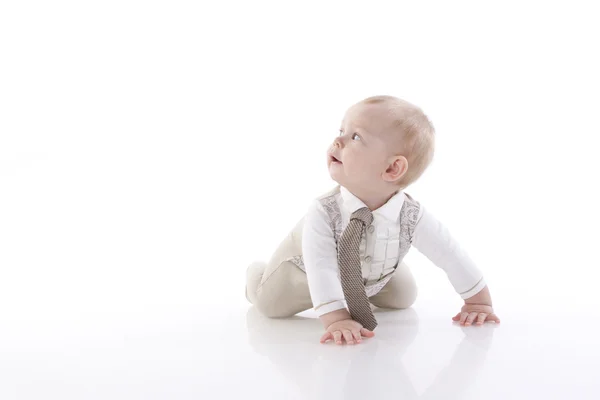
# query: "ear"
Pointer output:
{"type": "Point", "coordinates": [396, 169]}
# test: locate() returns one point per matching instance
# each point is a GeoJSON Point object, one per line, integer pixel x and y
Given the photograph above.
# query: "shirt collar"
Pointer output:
{"type": "Point", "coordinates": [390, 210]}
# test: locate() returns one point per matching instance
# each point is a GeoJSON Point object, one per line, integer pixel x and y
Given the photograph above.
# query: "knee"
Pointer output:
{"type": "Point", "coordinates": [283, 293]}
{"type": "Point", "coordinates": [270, 301]}
{"type": "Point", "coordinates": [406, 299]}
{"type": "Point", "coordinates": [272, 309]}
{"type": "Point", "coordinates": [400, 301]}
{"type": "Point", "coordinates": [281, 301]}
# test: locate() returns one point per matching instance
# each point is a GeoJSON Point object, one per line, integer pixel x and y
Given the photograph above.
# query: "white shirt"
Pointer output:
{"type": "Point", "coordinates": [379, 250]}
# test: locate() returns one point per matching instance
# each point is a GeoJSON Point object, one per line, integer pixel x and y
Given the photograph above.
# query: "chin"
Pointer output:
{"type": "Point", "coordinates": [334, 178]}
{"type": "Point", "coordinates": [338, 174]}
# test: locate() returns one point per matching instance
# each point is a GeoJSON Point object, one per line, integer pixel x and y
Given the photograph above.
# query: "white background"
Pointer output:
{"type": "Point", "coordinates": [149, 151]}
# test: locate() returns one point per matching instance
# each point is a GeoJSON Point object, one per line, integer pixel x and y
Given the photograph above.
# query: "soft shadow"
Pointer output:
{"type": "Point", "coordinates": [372, 369]}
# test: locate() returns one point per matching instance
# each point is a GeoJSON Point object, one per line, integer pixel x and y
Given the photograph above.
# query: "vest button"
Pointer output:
{"type": "Point", "coordinates": [371, 229]}
{"type": "Point", "coordinates": [368, 259]}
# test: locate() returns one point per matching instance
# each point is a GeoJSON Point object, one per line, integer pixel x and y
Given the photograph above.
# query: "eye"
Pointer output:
{"type": "Point", "coordinates": [341, 133]}
{"type": "Point", "coordinates": [356, 134]}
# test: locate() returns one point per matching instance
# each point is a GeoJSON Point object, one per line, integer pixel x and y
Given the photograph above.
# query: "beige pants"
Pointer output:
{"type": "Point", "coordinates": [280, 289]}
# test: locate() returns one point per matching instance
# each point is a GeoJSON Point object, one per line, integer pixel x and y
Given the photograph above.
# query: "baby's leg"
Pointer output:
{"type": "Point", "coordinates": [279, 288]}
{"type": "Point", "coordinates": [399, 292]}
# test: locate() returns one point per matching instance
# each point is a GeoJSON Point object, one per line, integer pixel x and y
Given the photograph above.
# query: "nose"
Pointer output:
{"type": "Point", "coordinates": [337, 142]}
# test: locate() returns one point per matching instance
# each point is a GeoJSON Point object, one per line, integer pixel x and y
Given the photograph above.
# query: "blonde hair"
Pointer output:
{"type": "Point", "coordinates": [417, 135]}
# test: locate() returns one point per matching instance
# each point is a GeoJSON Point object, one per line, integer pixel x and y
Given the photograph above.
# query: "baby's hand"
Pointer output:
{"type": "Point", "coordinates": [348, 329]}
{"type": "Point", "coordinates": [469, 312]}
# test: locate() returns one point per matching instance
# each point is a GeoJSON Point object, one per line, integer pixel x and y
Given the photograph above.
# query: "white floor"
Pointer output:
{"type": "Point", "coordinates": [197, 351]}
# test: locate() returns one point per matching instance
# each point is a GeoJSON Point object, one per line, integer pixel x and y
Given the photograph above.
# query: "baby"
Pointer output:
{"type": "Point", "coordinates": [384, 145]}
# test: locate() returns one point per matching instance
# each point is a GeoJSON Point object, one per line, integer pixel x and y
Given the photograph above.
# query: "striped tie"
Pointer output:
{"type": "Point", "coordinates": [350, 271]}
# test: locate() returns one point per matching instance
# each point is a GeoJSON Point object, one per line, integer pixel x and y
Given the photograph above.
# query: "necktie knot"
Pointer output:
{"type": "Point", "coordinates": [363, 214]}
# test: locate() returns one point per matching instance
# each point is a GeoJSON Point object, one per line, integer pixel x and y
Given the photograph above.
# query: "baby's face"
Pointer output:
{"type": "Point", "coordinates": [363, 148]}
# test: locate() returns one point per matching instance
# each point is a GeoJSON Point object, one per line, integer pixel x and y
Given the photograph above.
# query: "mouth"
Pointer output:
{"type": "Point", "coordinates": [334, 160]}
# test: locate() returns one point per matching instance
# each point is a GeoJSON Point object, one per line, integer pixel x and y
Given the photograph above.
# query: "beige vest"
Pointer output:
{"type": "Point", "coordinates": [408, 221]}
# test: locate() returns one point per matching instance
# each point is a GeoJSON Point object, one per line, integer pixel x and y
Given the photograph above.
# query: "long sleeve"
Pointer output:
{"type": "Point", "coordinates": [319, 252]}
{"type": "Point", "coordinates": [435, 241]}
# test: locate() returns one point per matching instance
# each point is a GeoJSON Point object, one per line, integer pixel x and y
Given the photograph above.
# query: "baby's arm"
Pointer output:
{"type": "Point", "coordinates": [482, 297]}
{"type": "Point", "coordinates": [319, 252]}
{"type": "Point", "coordinates": [436, 243]}
{"type": "Point", "coordinates": [434, 240]}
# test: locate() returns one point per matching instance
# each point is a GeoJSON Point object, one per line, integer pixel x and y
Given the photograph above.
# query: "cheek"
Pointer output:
{"type": "Point", "coordinates": [362, 164]}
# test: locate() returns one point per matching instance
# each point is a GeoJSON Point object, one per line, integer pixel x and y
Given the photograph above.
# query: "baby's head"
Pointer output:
{"type": "Point", "coordinates": [384, 145]}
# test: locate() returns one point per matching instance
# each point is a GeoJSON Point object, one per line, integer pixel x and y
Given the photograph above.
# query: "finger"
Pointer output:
{"type": "Point", "coordinates": [481, 318]}
{"type": "Point", "coordinates": [493, 317]}
{"type": "Point", "coordinates": [348, 336]}
{"type": "Point", "coordinates": [471, 318]}
{"type": "Point", "coordinates": [326, 336]}
{"type": "Point", "coordinates": [456, 317]}
{"type": "Point", "coordinates": [337, 336]}
{"type": "Point", "coordinates": [366, 333]}
{"type": "Point", "coordinates": [356, 335]}
{"type": "Point", "coordinates": [463, 317]}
